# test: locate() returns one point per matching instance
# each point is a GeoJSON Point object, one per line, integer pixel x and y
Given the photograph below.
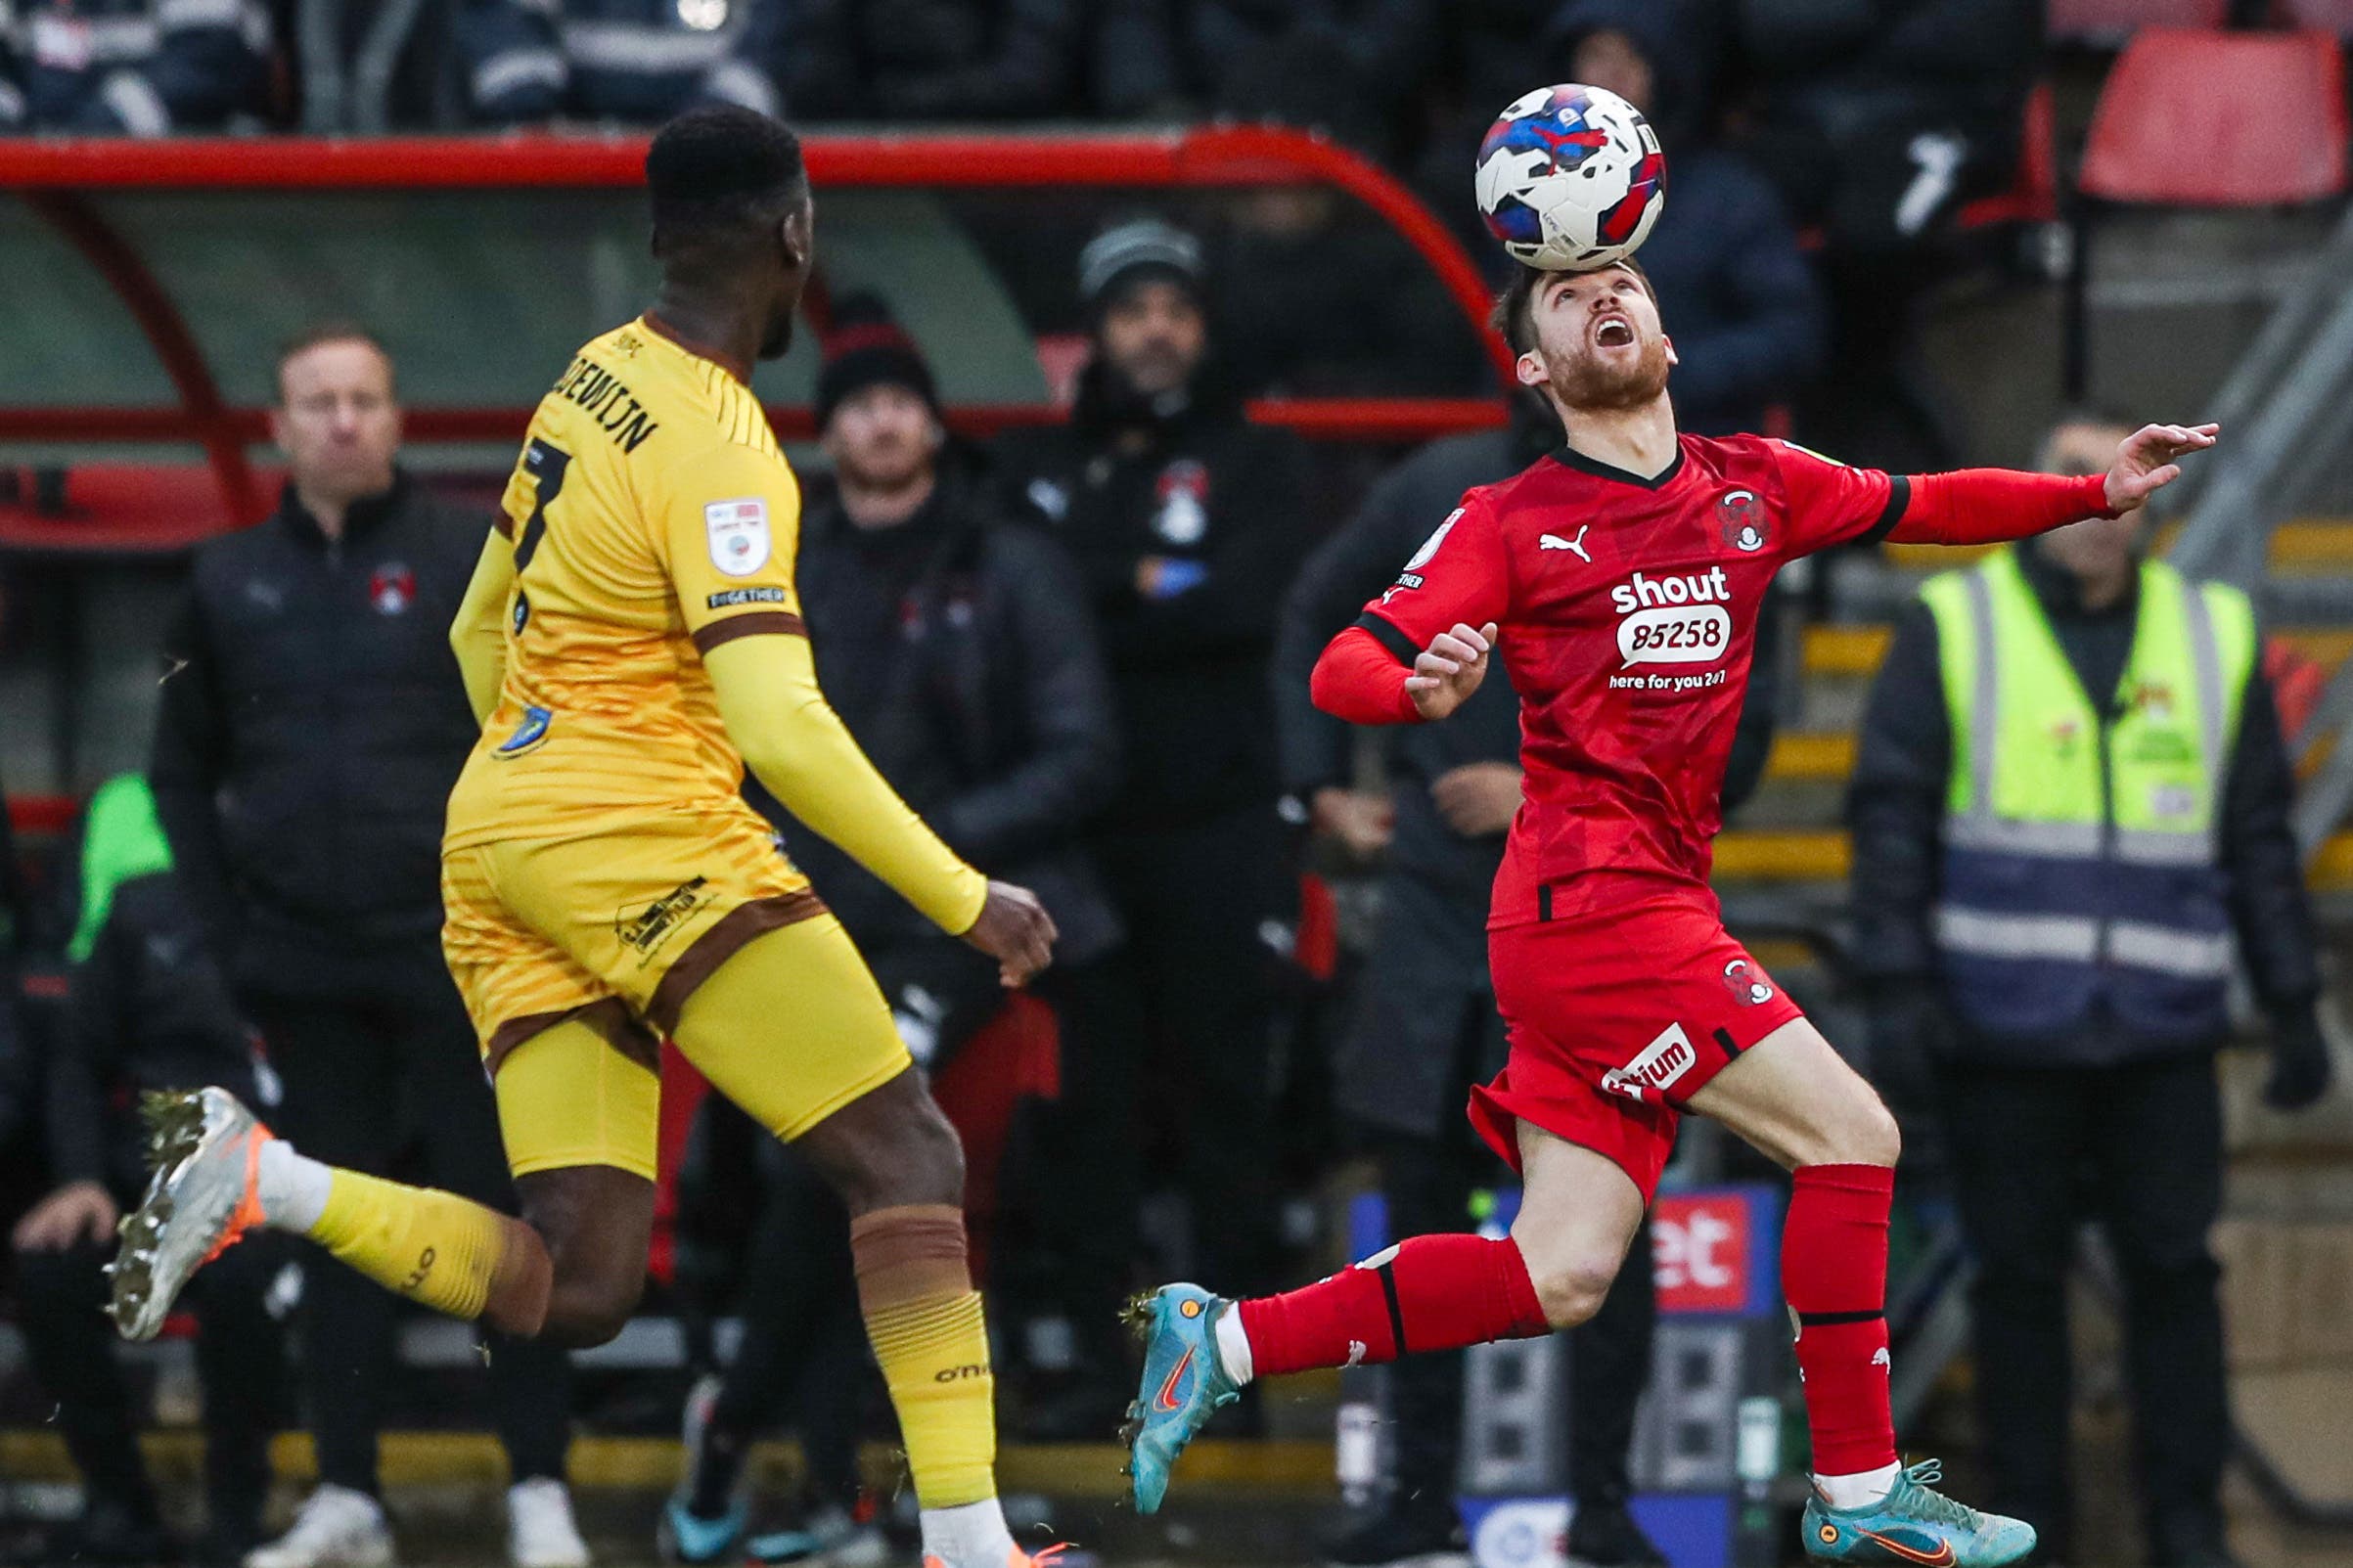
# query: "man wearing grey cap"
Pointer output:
{"type": "Point", "coordinates": [1187, 522]}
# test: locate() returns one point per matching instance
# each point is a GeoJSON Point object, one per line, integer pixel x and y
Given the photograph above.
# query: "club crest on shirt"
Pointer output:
{"type": "Point", "coordinates": [391, 589]}
{"type": "Point", "coordinates": [1741, 519]}
{"type": "Point", "coordinates": [1184, 494]}
{"type": "Point", "coordinates": [1747, 983]}
{"type": "Point", "coordinates": [738, 531]}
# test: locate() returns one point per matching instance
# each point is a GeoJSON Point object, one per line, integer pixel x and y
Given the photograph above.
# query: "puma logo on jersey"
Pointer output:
{"type": "Point", "coordinates": [1553, 540]}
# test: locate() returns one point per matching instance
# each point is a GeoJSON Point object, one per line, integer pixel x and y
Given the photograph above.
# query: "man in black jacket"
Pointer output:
{"type": "Point", "coordinates": [2052, 1059]}
{"type": "Point", "coordinates": [312, 725]}
{"type": "Point", "coordinates": [1187, 524]}
{"type": "Point", "coordinates": [1423, 1024]}
{"type": "Point", "coordinates": [150, 1011]}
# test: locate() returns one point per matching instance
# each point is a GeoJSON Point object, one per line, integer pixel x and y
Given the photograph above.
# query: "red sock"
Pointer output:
{"type": "Point", "coordinates": [1434, 1292]}
{"type": "Point", "coordinates": [1833, 1274]}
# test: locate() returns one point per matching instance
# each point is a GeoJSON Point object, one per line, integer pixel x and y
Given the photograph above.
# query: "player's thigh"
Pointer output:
{"type": "Point", "coordinates": [791, 1027]}
{"type": "Point", "coordinates": [1794, 1098]}
{"type": "Point", "coordinates": [567, 1096]}
{"type": "Point", "coordinates": [1578, 1209]}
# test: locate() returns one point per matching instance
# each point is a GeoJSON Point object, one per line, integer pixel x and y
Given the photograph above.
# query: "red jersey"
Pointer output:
{"type": "Point", "coordinates": [1627, 611]}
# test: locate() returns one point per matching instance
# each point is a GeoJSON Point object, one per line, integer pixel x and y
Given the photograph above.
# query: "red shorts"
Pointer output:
{"type": "Point", "coordinates": [1615, 1021]}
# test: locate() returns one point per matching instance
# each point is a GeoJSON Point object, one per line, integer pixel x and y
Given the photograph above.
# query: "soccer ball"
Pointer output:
{"type": "Point", "coordinates": [1570, 178]}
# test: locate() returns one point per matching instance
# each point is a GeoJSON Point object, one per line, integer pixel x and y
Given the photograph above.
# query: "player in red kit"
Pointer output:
{"type": "Point", "coordinates": [1621, 579]}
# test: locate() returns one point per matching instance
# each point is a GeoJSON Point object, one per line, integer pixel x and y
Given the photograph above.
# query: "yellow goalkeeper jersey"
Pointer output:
{"type": "Point", "coordinates": [651, 520]}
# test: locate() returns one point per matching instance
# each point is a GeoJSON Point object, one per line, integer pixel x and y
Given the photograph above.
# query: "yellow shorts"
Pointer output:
{"type": "Point", "coordinates": [576, 955]}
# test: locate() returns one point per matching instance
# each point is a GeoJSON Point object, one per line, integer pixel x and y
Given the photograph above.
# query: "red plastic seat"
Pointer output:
{"type": "Point", "coordinates": [2194, 117]}
{"type": "Point", "coordinates": [2109, 22]}
{"type": "Point", "coordinates": [2033, 194]}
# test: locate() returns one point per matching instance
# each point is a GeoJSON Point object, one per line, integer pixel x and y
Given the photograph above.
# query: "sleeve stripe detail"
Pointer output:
{"type": "Point", "coordinates": [1899, 498]}
{"type": "Point", "coordinates": [759, 622]}
{"type": "Point", "coordinates": [1385, 632]}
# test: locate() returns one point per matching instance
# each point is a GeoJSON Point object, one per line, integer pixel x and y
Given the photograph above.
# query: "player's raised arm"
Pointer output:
{"type": "Point", "coordinates": [729, 540]}
{"type": "Point", "coordinates": [479, 635]}
{"type": "Point", "coordinates": [1831, 503]}
{"type": "Point", "coordinates": [1420, 649]}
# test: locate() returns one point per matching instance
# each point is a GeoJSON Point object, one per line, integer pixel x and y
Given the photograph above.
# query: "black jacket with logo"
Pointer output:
{"type": "Point", "coordinates": [959, 652]}
{"type": "Point", "coordinates": [1191, 482]}
{"type": "Point", "coordinates": [311, 726]}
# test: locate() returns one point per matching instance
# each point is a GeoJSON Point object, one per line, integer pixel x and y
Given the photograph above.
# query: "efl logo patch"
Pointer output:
{"type": "Point", "coordinates": [1665, 1060]}
{"type": "Point", "coordinates": [739, 535]}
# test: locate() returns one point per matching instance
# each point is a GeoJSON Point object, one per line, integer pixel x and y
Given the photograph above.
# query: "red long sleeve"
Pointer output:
{"type": "Point", "coordinates": [1358, 680]}
{"type": "Point", "coordinates": [1991, 506]}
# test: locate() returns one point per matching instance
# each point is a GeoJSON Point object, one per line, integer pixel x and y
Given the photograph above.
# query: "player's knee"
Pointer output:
{"type": "Point", "coordinates": [1871, 1137]}
{"type": "Point", "coordinates": [1571, 1290]}
{"type": "Point", "coordinates": [587, 1308]}
{"type": "Point", "coordinates": [932, 1169]}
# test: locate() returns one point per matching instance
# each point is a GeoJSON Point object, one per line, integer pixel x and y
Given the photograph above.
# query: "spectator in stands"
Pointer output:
{"type": "Point", "coordinates": [138, 68]}
{"type": "Point", "coordinates": [1877, 122]}
{"type": "Point", "coordinates": [1158, 58]}
{"type": "Point", "coordinates": [897, 61]}
{"type": "Point", "coordinates": [2071, 793]}
{"type": "Point", "coordinates": [959, 646]}
{"type": "Point", "coordinates": [1750, 321]}
{"type": "Point", "coordinates": [15, 111]}
{"type": "Point", "coordinates": [311, 726]}
{"type": "Point", "coordinates": [1489, 53]}
{"type": "Point", "coordinates": [1422, 1026]}
{"type": "Point", "coordinates": [1187, 522]}
{"type": "Point", "coordinates": [1294, 324]}
{"type": "Point", "coordinates": [637, 61]}
{"type": "Point", "coordinates": [150, 1011]}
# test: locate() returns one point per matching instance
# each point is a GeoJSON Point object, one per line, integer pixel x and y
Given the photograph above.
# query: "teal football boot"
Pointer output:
{"type": "Point", "coordinates": [1183, 1381]}
{"type": "Point", "coordinates": [1911, 1524]}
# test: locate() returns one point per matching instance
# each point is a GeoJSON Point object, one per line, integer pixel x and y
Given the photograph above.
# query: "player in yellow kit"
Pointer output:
{"type": "Point", "coordinates": [632, 642]}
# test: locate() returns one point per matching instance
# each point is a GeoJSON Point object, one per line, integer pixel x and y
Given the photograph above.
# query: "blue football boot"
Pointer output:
{"type": "Point", "coordinates": [1183, 1382]}
{"type": "Point", "coordinates": [1911, 1524]}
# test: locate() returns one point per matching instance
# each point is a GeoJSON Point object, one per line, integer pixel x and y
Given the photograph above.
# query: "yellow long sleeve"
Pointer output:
{"type": "Point", "coordinates": [797, 746]}
{"type": "Point", "coordinates": [476, 636]}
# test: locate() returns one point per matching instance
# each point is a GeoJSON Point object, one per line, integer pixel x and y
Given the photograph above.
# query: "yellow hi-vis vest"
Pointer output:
{"type": "Point", "coordinates": [2080, 859]}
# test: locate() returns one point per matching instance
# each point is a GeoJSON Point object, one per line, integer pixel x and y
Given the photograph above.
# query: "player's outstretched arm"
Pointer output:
{"type": "Point", "coordinates": [796, 745]}
{"type": "Point", "coordinates": [1993, 505]}
{"type": "Point", "coordinates": [479, 635]}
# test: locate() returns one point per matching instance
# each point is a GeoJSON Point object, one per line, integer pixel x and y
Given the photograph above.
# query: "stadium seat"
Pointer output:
{"type": "Point", "coordinates": [2194, 116]}
{"type": "Point", "coordinates": [2108, 23]}
{"type": "Point", "coordinates": [2206, 117]}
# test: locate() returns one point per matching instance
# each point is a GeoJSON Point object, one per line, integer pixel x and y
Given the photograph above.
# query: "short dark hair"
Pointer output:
{"type": "Point", "coordinates": [1514, 317]}
{"type": "Point", "coordinates": [321, 332]}
{"type": "Point", "coordinates": [722, 174]}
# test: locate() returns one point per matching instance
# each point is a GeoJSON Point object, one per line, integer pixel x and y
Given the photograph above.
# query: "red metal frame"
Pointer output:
{"type": "Point", "coordinates": [48, 175]}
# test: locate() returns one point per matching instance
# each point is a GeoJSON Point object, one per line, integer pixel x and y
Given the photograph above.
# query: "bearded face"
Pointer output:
{"type": "Point", "coordinates": [1598, 344]}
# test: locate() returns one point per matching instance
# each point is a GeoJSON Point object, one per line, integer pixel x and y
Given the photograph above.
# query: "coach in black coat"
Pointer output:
{"type": "Point", "coordinates": [1423, 1026]}
{"type": "Point", "coordinates": [311, 724]}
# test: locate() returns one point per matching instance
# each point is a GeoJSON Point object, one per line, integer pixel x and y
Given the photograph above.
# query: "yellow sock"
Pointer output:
{"type": "Point", "coordinates": [923, 1317]}
{"type": "Point", "coordinates": [448, 1252]}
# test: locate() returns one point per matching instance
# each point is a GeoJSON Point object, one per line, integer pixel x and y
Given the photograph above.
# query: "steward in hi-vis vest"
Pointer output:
{"type": "Point", "coordinates": [2071, 823]}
